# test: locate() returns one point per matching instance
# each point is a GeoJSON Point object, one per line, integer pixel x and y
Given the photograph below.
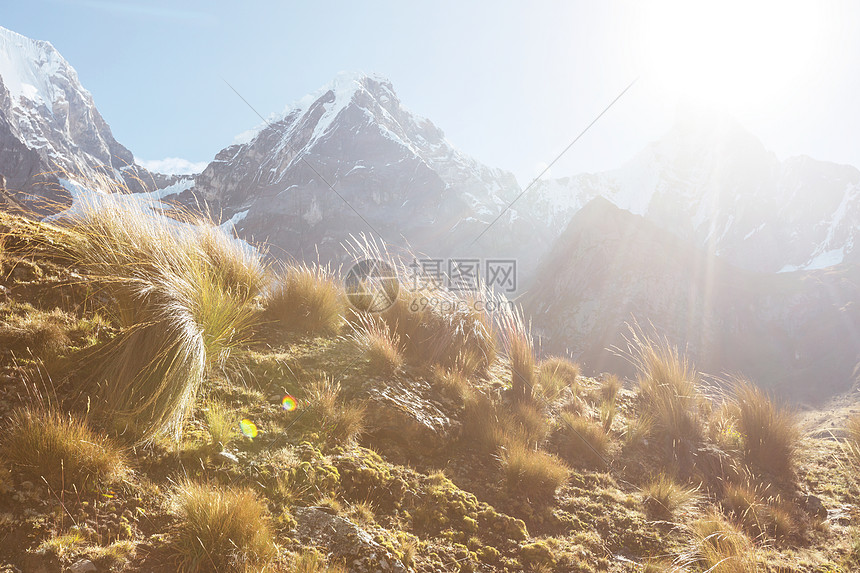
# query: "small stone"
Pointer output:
{"type": "Point", "coordinates": [814, 506]}
{"type": "Point", "coordinates": [83, 566]}
{"type": "Point", "coordinates": [228, 457]}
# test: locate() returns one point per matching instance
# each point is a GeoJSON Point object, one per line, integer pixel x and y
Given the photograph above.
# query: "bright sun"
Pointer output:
{"type": "Point", "coordinates": [731, 54]}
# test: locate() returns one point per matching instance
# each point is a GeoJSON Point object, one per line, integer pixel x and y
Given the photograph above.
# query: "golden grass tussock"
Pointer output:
{"type": "Point", "coordinates": [720, 547]}
{"type": "Point", "coordinates": [759, 513]}
{"type": "Point", "coordinates": [608, 409]}
{"type": "Point", "coordinates": [449, 334]}
{"type": "Point", "coordinates": [182, 294]}
{"type": "Point", "coordinates": [555, 374]}
{"type": "Point", "coordinates": [220, 529]}
{"type": "Point", "coordinates": [335, 420]}
{"type": "Point", "coordinates": [434, 324]}
{"type": "Point", "coordinates": [668, 389]}
{"type": "Point", "coordinates": [769, 432]}
{"type": "Point", "coordinates": [60, 450]}
{"type": "Point", "coordinates": [481, 425]}
{"type": "Point", "coordinates": [531, 473]}
{"type": "Point", "coordinates": [452, 383]}
{"type": "Point", "coordinates": [664, 498]}
{"type": "Point", "coordinates": [306, 298]}
{"type": "Point", "coordinates": [609, 388]}
{"type": "Point", "coordinates": [488, 425]}
{"type": "Point", "coordinates": [527, 422]}
{"type": "Point", "coordinates": [221, 423]}
{"type": "Point", "coordinates": [579, 440]}
{"type": "Point", "coordinates": [312, 561]}
{"type": "Point", "coordinates": [519, 348]}
{"type": "Point", "coordinates": [36, 332]}
{"type": "Point", "coordinates": [379, 344]}
{"type": "Point", "coordinates": [851, 444]}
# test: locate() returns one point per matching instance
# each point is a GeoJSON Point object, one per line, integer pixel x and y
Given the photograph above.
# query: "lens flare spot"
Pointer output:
{"type": "Point", "coordinates": [289, 403]}
{"type": "Point", "coordinates": [249, 429]}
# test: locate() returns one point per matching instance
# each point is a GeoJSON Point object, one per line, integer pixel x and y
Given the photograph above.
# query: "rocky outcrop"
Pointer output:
{"type": "Point", "coordinates": [403, 412]}
{"type": "Point", "coordinates": [346, 541]}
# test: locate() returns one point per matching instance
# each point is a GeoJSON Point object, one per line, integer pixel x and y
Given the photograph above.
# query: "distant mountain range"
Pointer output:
{"type": "Point", "coordinates": [704, 233]}
{"type": "Point", "coordinates": [713, 184]}
{"type": "Point", "coordinates": [797, 332]}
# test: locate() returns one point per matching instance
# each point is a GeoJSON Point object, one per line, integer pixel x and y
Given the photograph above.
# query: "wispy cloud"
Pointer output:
{"type": "Point", "coordinates": [172, 165]}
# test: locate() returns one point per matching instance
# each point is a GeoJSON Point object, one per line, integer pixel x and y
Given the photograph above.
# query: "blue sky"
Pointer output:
{"type": "Point", "coordinates": [510, 83]}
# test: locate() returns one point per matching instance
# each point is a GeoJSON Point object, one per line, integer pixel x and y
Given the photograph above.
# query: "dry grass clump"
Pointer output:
{"type": "Point", "coordinates": [61, 449]}
{"type": "Point", "coordinates": [434, 324]}
{"type": "Point", "coordinates": [60, 546]}
{"type": "Point", "coordinates": [609, 388]}
{"type": "Point", "coordinates": [637, 430]}
{"type": "Point", "coordinates": [238, 268]}
{"type": "Point", "coordinates": [608, 409]}
{"type": "Point", "coordinates": [532, 473]}
{"type": "Point", "coordinates": [306, 298]}
{"type": "Point", "coordinates": [519, 348]}
{"type": "Point", "coordinates": [36, 332]}
{"type": "Point", "coordinates": [380, 345]}
{"type": "Point", "coordinates": [183, 298]}
{"type": "Point", "coordinates": [526, 422]}
{"type": "Point", "coordinates": [480, 423]}
{"type": "Point", "coordinates": [759, 513]}
{"type": "Point", "coordinates": [668, 391]}
{"type": "Point", "coordinates": [555, 374]}
{"type": "Point", "coordinates": [312, 561]}
{"type": "Point", "coordinates": [220, 529]}
{"type": "Point", "coordinates": [221, 424]}
{"type": "Point", "coordinates": [659, 565]}
{"type": "Point", "coordinates": [851, 444]}
{"type": "Point", "coordinates": [450, 333]}
{"type": "Point", "coordinates": [769, 433]}
{"type": "Point", "coordinates": [580, 441]}
{"type": "Point", "coordinates": [336, 421]}
{"type": "Point", "coordinates": [720, 547]}
{"type": "Point", "coordinates": [663, 497]}
{"type": "Point", "coordinates": [452, 383]}
{"type": "Point", "coordinates": [743, 505]}
{"type": "Point", "coordinates": [852, 433]}
{"type": "Point", "coordinates": [361, 513]}
{"type": "Point", "coordinates": [487, 427]}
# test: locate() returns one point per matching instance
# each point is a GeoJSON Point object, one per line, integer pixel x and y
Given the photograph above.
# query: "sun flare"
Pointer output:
{"type": "Point", "coordinates": [731, 54]}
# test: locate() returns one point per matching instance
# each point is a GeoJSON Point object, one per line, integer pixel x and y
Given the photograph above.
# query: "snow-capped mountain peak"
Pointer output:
{"type": "Point", "coordinates": [348, 156]}
{"type": "Point", "coordinates": [30, 68]}
{"type": "Point", "coordinates": [50, 129]}
{"type": "Point", "coordinates": [711, 182]}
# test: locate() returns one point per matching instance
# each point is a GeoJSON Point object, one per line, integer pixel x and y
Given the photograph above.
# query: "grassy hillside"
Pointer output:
{"type": "Point", "coordinates": [170, 403]}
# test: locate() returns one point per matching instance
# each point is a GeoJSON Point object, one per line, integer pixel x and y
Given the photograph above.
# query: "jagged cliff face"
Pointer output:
{"type": "Point", "coordinates": [50, 128]}
{"type": "Point", "coordinates": [710, 182]}
{"type": "Point", "coordinates": [797, 332]}
{"type": "Point", "coordinates": [392, 173]}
